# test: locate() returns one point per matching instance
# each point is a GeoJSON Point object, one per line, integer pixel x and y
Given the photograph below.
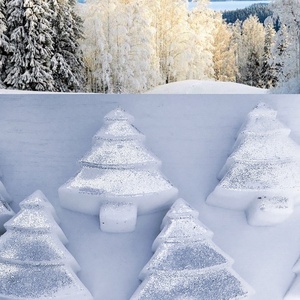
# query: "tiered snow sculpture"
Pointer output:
{"type": "Point", "coordinates": [5, 210]}
{"type": "Point", "coordinates": [187, 264]}
{"type": "Point", "coordinates": [262, 175]}
{"type": "Point", "coordinates": [119, 177]}
{"type": "Point", "coordinates": [34, 263]}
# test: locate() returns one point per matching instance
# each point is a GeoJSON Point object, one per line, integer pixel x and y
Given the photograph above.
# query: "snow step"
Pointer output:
{"type": "Point", "coordinates": [266, 211]}
{"type": "Point", "coordinates": [118, 217]}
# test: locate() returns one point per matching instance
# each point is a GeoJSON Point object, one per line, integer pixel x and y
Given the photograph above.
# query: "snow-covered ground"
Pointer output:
{"type": "Point", "coordinates": [43, 136]}
{"type": "Point", "coordinates": [206, 87]}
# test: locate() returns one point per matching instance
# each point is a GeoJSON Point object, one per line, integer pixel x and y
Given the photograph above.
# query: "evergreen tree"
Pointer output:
{"type": "Point", "coordinates": [66, 62]}
{"type": "Point", "coordinates": [30, 35]}
{"type": "Point", "coordinates": [4, 43]}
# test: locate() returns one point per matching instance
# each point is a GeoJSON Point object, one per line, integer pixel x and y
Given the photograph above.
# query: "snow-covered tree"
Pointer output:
{"type": "Point", "coordinates": [268, 69]}
{"type": "Point", "coordinates": [188, 265]}
{"type": "Point", "coordinates": [34, 262]}
{"type": "Point", "coordinates": [119, 171]}
{"type": "Point", "coordinates": [288, 14]}
{"type": "Point", "coordinates": [4, 44]}
{"type": "Point", "coordinates": [262, 174]}
{"type": "Point", "coordinates": [66, 62]}
{"type": "Point", "coordinates": [253, 43]}
{"type": "Point", "coordinates": [224, 49]}
{"type": "Point", "coordinates": [201, 23]}
{"type": "Point", "coordinates": [30, 35]}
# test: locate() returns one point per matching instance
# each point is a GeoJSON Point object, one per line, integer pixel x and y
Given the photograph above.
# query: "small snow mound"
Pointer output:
{"type": "Point", "coordinates": [205, 87]}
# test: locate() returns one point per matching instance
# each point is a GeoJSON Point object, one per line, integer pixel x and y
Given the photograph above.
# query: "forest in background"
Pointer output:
{"type": "Point", "coordinates": [131, 46]}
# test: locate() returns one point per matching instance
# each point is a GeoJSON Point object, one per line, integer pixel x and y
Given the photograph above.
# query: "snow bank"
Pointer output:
{"type": "Point", "coordinates": [205, 87]}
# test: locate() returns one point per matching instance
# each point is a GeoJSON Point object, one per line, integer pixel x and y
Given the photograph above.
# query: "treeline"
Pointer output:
{"type": "Point", "coordinates": [261, 10]}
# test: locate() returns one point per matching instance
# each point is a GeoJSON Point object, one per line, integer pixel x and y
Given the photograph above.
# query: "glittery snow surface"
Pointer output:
{"type": "Point", "coordinates": [119, 182]}
{"type": "Point", "coordinates": [186, 256]}
{"type": "Point", "coordinates": [34, 248]}
{"type": "Point", "coordinates": [183, 229]}
{"type": "Point", "coordinates": [212, 285]}
{"type": "Point", "coordinates": [118, 130]}
{"type": "Point", "coordinates": [275, 203]}
{"type": "Point", "coordinates": [5, 208]}
{"type": "Point", "coordinates": [119, 154]}
{"type": "Point", "coordinates": [40, 282]}
{"type": "Point", "coordinates": [266, 148]}
{"type": "Point", "coordinates": [118, 114]}
{"type": "Point", "coordinates": [262, 176]}
{"type": "Point", "coordinates": [35, 220]}
{"type": "Point", "coordinates": [262, 110]}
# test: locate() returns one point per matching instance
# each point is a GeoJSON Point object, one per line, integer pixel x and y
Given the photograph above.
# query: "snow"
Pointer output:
{"type": "Point", "coordinates": [42, 137]}
{"type": "Point", "coordinates": [205, 87]}
{"type": "Point", "coordinates": [118, 217]}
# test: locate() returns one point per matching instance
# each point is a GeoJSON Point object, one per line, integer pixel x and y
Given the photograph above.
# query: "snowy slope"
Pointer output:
{"type": "Point", "coordinates": [205, 87]}
{"type": "Point", "coordinates": [43, 136]}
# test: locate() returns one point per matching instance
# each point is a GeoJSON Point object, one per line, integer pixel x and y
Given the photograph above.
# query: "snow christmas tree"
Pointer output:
{"type": "Point", "coordinates": [262, 175]}
{"type": "Point", "coordinates": [187, 264]}
{"type": "Point", "coordinates": [119, 177]}
{"type": "Point", "coordinates": [34, 264]}
{"type": "Point", "coordinates": [5, 210]}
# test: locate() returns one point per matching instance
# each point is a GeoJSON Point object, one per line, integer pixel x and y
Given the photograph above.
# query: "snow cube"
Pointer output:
{"type": "Point", "coordinates": [118, 217]}
{"type": "Point", "coordinates": [266, 211]}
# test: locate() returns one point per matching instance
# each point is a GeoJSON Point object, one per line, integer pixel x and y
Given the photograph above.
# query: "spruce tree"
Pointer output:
{"type": "Point", "coordinates": [66, 62]}
{"type": "Point", "coordinates": [30, 34]}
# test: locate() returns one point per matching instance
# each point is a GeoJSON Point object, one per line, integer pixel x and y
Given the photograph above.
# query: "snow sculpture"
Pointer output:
{"type": "Point", "coordinates": [119, 177]}
{"type": "Point", "coordinates": [5, 210]}
{"type": "Point", "coordinates": [34, 264]}
{"type": "Point", "coordinates": [262, 175]}
{"type": "Point", "coordinates": [188, 265]}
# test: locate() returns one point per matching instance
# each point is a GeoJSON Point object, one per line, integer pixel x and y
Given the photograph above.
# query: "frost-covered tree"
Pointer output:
{"type": "Point", "coordinates": [268, 69]}
{"type": "Point", "coordinates": [224, 49]}
{"type": "Point", "coordinates": [30, 36]}
{"type": "Point", "coordinates": [201, 23]}
{"type": "Point", "coordinates": [288, 14]}
{"type": "Point", "coordinates": [4, 44]}
{"type": "Point", "coordinates": [66, 62]}
{"type": "Point", "coordinates": [253, 43]}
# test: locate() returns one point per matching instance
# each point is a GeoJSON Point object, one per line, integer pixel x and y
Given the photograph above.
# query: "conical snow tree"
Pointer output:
{"type": "Point", "coordinates": [120, 176]}
{"type": "Point", "coordinates": [262, 173]}
{"type": "Point", "coordinates": [34, 264]}
{"type": "Point", "coordinates": [188, 265]}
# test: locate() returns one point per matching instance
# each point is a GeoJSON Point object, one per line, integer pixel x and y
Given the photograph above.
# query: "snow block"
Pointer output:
{"type": "Point", "coordinates": [269, 211]}
{"type": "Point", "coordinates": [214, 284]}
{"type": "Point", "coordinates": [118, 217]}
{"type": "Point", "coordinates": [5, 214]}
{"type": "Point", "coordinates": [294, 291]}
